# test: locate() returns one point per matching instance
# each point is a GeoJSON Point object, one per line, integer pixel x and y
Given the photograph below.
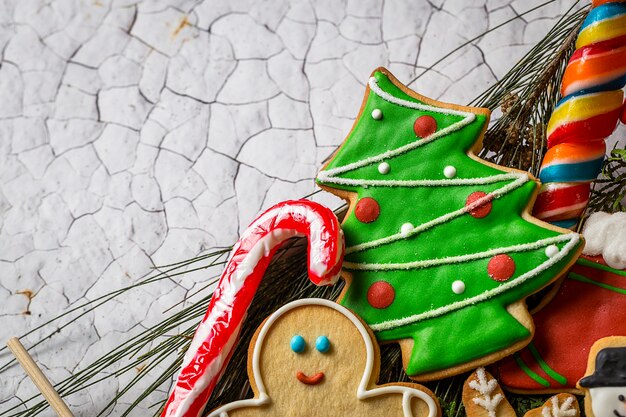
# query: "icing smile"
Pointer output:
{"type": "Point", "coordinates": [310, 380]}
{"type": "Point", "coordinates": [617, 414]}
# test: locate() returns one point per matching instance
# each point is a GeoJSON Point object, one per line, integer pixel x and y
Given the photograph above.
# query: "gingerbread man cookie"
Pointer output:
{"type": "Point", "coordinates": [483, 397]}
{"type": "Point", "coordinates": [314, 357]}
{"type": "Point", "coordinates": [605, 380]}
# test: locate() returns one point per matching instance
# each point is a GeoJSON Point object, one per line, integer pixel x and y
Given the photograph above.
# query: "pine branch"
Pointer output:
{"type": "Point", "coordinates": [216, 258]}
{"type": "Point", "coordinates": [609, 191]}
{"type": "Point", "coordinates": [132, 348]}
{"type": "Point", "coordinates": [474, 39]}
{"type": "Point", "coordinates": [527, 95]}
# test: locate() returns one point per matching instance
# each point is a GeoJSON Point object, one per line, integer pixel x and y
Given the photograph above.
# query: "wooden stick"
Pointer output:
{"type": "Point", "coordinates": [38, 378]}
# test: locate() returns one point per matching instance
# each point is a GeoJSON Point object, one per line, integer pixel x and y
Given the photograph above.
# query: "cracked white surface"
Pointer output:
{"type": "Point", "coordinates": [135, 134]}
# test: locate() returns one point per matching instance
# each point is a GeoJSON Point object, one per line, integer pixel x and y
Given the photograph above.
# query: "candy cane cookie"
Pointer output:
{"type": "Point", "coordinates": [586, 115]}
{"type": "Point", "coordinates": [216, 335]}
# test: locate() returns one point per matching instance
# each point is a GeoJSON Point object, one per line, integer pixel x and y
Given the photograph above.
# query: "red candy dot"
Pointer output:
{"type": "Point", "coordinates": [367, 210]}
{"type": "Point", "coordinates": [381, 294]}
{"type": "Point", "coordinates": [481, 211]}
{"type": "Point", "coordinates": [424, 126]}
{"type": "Point", "coordinates": [501, 267]}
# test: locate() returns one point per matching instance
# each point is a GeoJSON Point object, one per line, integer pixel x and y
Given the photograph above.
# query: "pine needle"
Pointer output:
{"type": "Point", "coordinates": [609, 192]}
{"type": "Point", "coordinates": [527, 95]}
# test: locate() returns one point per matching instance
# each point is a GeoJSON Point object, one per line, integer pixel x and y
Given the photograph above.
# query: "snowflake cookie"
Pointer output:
{"type": "Point", "coordinates": [483, 397]}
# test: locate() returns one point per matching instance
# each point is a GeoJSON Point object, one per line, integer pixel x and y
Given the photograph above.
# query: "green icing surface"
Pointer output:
{"type": "Point", "coordinates": [469, 332]}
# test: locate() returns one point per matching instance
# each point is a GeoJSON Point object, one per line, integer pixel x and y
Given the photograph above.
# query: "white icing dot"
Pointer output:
{"type": "Point", "coordinates": [384, 168]}
{"type": "Point", "coordinates": [458, 287]}
{"type": "Point", "coordinates": [406, 229]}
{"type": "Point", "coordinates": [552, 250]}
{"type": "Point", "coordinates": [377, 114]}
{"type": "Point", "coordinates": [449, 171]}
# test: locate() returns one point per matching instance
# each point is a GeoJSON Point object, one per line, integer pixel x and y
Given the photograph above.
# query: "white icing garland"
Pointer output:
{"type": "Point", "coordinates": [521, 179]}
{"type": "Point", "coordinates": [390, 324]}
{"type": "Point", "coordinates": [323, 176]}
{"type": "Point", "coordinates": [556, 410]}
{"type": "Point", "coordinates": [486, 387]}
{"type": "Point", "coordinates": [362, 392]}
{"type": "Point", "coordinates": [524, 247]}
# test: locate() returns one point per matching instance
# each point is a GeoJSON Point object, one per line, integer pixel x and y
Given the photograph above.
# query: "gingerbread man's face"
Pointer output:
{"type": "Point", "coordinates": [314, 357]}
{"type": "Point", "coordinates": [310, 352]}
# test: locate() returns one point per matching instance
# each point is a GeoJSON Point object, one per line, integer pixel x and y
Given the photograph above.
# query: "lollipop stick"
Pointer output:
{"type": "Point", "coordinates": [38, 378]}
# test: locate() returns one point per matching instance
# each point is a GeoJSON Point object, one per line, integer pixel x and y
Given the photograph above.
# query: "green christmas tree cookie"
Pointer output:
{"type": "Point", "coordinates": [440, 249]}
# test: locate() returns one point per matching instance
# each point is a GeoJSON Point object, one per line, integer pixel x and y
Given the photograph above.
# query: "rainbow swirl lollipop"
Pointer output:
{"type": "Point", "coordinates": [586, 115]}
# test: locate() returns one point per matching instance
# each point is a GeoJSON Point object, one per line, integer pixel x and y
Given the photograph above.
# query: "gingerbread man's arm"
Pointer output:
{"type": "Point", "coordinates": [420, 403]}
{"type": "Point", "coordinates": [224, 411]}
{"type": "Point", "coordinates": [425, 406]}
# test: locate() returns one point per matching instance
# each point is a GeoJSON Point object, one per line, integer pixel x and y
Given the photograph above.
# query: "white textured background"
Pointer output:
{"type": "Point", "coordinates": [138, 133]}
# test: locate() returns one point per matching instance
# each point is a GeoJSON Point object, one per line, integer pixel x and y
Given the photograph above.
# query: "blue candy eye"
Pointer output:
{"type": "Point", "coordinates": [322, 344]}
{"type": "Point", "coordinates": [298, 344]}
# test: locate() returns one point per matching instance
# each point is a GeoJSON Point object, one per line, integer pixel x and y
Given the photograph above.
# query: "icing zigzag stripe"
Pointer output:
{"type": "Point", "coordinates": [458, 259]}
{"type": "Point", "coordinates": [572, 239]}
{"type": "Point", "coordinates": [606, 268]}
{"type": "Point", "coordinates": [578, 277]}
{"type": "Point", "coordinates": [532, 374]}
{"type": "Point", "coordinates": [546, 368]}
{"type": "Point", "coordinates": [325, 177]}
